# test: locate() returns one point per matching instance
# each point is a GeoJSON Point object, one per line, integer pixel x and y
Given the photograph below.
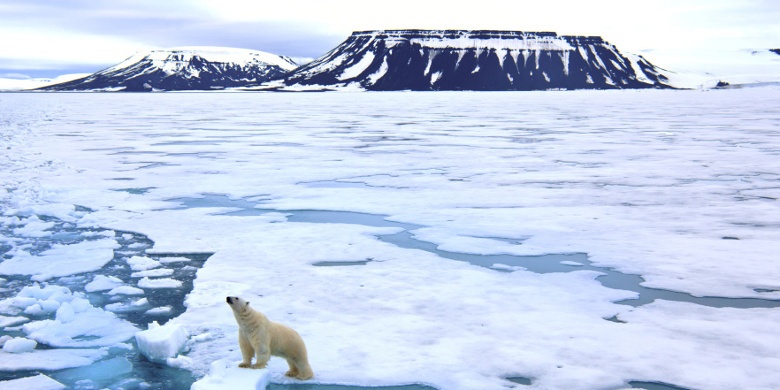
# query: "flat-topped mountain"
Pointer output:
{"type": "Point", "coordinates": [426, 60]}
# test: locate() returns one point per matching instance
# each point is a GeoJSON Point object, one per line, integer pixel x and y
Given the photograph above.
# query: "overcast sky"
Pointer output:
{"type": "Point", "coordinates": [52, 37]}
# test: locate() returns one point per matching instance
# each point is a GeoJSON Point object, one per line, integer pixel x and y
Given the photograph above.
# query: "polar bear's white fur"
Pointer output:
{"type": "Point", "coordinates": [262, 338]}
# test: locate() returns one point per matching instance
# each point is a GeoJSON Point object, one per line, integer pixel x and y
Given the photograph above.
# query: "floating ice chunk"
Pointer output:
{"type": "Point", "coordinates": [181, 362]}
{"type": "Point", "coordinates": [506, 267]}
{"type": "Point", "coordinates": [141, 302]}
{"type": "Point", "coordinates": [141, 263]}
{"type": "Point", "coordinates": [126, 290]}
{"type": "Point", "coordinates": [3, 339]}
{"type": "Point", "coordinates": [152, 273]}
{"type": "Point", "coordinates": [65, 313]}
{"type": "Point", "coordinates": [50, 359]}
{"type": "Point", "coordinates": [61, 260]}
{"type": "Point", "coordinates": [41, 308]}
{"type": "Point", "coordinates": [80, 305]}
{"type": "Point", "coordinates": [102, 283]}
{"type": "Point", "coordinates": [19, 345]}
{"type": "Point", "coordinates": [159, 343]}
{"type": "Point", "coordinates": [159, 311]}
{"type": "Point", "coordinates": [34, 227]}
{"type": "Point", "coordinates": [101, 233]}
{"type": "Point", "coordinates": [65, 212]}
{"type": "Point", "coordinates": [174, 259]}
{"type": "Point", "coordinates": [121, 307]}
{"type": "Point", "coordinates": [23, 302]}
{"type": "Point", "coordinates": [12, 321]}
{"type": "Point", "coordinates": [46, 292]}
{"type": "Point", "coordinates": [225, 374]}
{"type": "Point", "coordinates": [159, 283]}
{"type": "Point", "coordinates": [38, 382]}
{"type": "Point", "coordinates": [92, 327]}
{"type": "Point", "coordinates": [34, 310]}
{"type": "Point", "coordinates": [128, 307]}
{"type": "Point", "coordinates": [572, 263]}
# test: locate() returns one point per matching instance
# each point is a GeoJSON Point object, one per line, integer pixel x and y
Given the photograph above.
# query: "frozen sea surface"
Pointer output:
{"type": "Point", "coordinates": [677, 188]}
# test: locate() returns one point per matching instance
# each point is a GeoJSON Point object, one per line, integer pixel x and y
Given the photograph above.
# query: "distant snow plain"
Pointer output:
{"type": "Point", "coordinates": [680, 187]}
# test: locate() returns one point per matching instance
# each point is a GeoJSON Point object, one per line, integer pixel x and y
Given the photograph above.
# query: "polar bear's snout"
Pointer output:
{"type": "Point", "coordinates": [230, 300]}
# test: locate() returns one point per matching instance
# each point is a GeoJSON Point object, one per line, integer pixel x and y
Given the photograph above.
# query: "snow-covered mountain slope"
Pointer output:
{"type": "Point", "coordinates": [476, 60]}
{"type": "Point", "coordinates": [704, 69]}
{"type": "Point", "coordinates": [185, 68]}
{"type": "Point", "coordinates": [23, 84]}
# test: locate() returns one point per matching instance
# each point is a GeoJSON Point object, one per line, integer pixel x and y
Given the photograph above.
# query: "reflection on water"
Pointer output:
{"type": "Point", "coordinates": [654, 386]}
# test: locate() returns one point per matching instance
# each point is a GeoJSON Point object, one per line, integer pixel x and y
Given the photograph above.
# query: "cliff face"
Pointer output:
{"type": "Point", "coordinates": [476, 60]}
{"type": "Point", "coordinates": [194, 68]}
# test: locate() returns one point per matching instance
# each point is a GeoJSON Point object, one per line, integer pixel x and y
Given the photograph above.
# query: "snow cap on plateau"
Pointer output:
{"type": "Point", "coordinates": [478, 39]}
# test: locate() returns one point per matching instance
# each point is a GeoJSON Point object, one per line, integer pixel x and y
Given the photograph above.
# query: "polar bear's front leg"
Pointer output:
{"type": "Point", "coordinates": [262, 355]}
{"type": "Point", "coordinates": [246, 349]}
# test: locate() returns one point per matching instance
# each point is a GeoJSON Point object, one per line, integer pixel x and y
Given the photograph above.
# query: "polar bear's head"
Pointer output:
{"type": "Point", "coordinates": [237, 303]}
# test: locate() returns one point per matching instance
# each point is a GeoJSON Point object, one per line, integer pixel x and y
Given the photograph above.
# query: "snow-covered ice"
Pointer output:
{"type": "Point", "coordinates": [140, 263]}
{"type": "Point", "coordinates": [50, 359]}
{"type": "Point", "coordinates": [225, 374]}
{"type": "Point", "coordinates": [159, 343]}
{"type": "Point", "coordinates": [159, 310]}
{"type": "Point", "coordinates": [38, 382]}
{"type": "Point", "coordinates": [103, 283]}
{"type": "Point", "coordinates": [19, 345]}
{"type": "Point", "coordinates": [159, 283]}
{"type": "Point", "coordinates": [61, 260]}
{"type": "Point", "coordinates": [679, 187]}
{"type": "Point", "coordinates": [126, 290]}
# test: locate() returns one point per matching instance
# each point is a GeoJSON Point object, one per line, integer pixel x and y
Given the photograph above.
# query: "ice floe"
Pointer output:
{"type": "Point", "coordinates": [675, 186]}
{"type": "Point", "coordinates": [159, 343]}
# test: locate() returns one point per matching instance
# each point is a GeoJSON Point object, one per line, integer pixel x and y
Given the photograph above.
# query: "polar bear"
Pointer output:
{"type": "Point", "coordinates": [259, 336]}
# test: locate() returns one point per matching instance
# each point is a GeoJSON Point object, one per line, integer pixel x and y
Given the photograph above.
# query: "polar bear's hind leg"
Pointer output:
{"type": "Point", "coordinates": [293, 372]}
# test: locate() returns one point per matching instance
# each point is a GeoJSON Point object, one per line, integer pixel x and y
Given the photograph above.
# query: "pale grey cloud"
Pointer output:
{"type": "Point", "coordinates": [61, 35]}
{"type": "Point", "coordinates": [58, 36]}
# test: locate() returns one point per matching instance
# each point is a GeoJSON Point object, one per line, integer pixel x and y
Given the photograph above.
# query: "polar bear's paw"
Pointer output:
{"type": "Point", "coordinates": [292, 373]}
{"type": "Point", "coordinates": [258, 365]}
{"type": "Point", "coordinates": [244, 365]}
